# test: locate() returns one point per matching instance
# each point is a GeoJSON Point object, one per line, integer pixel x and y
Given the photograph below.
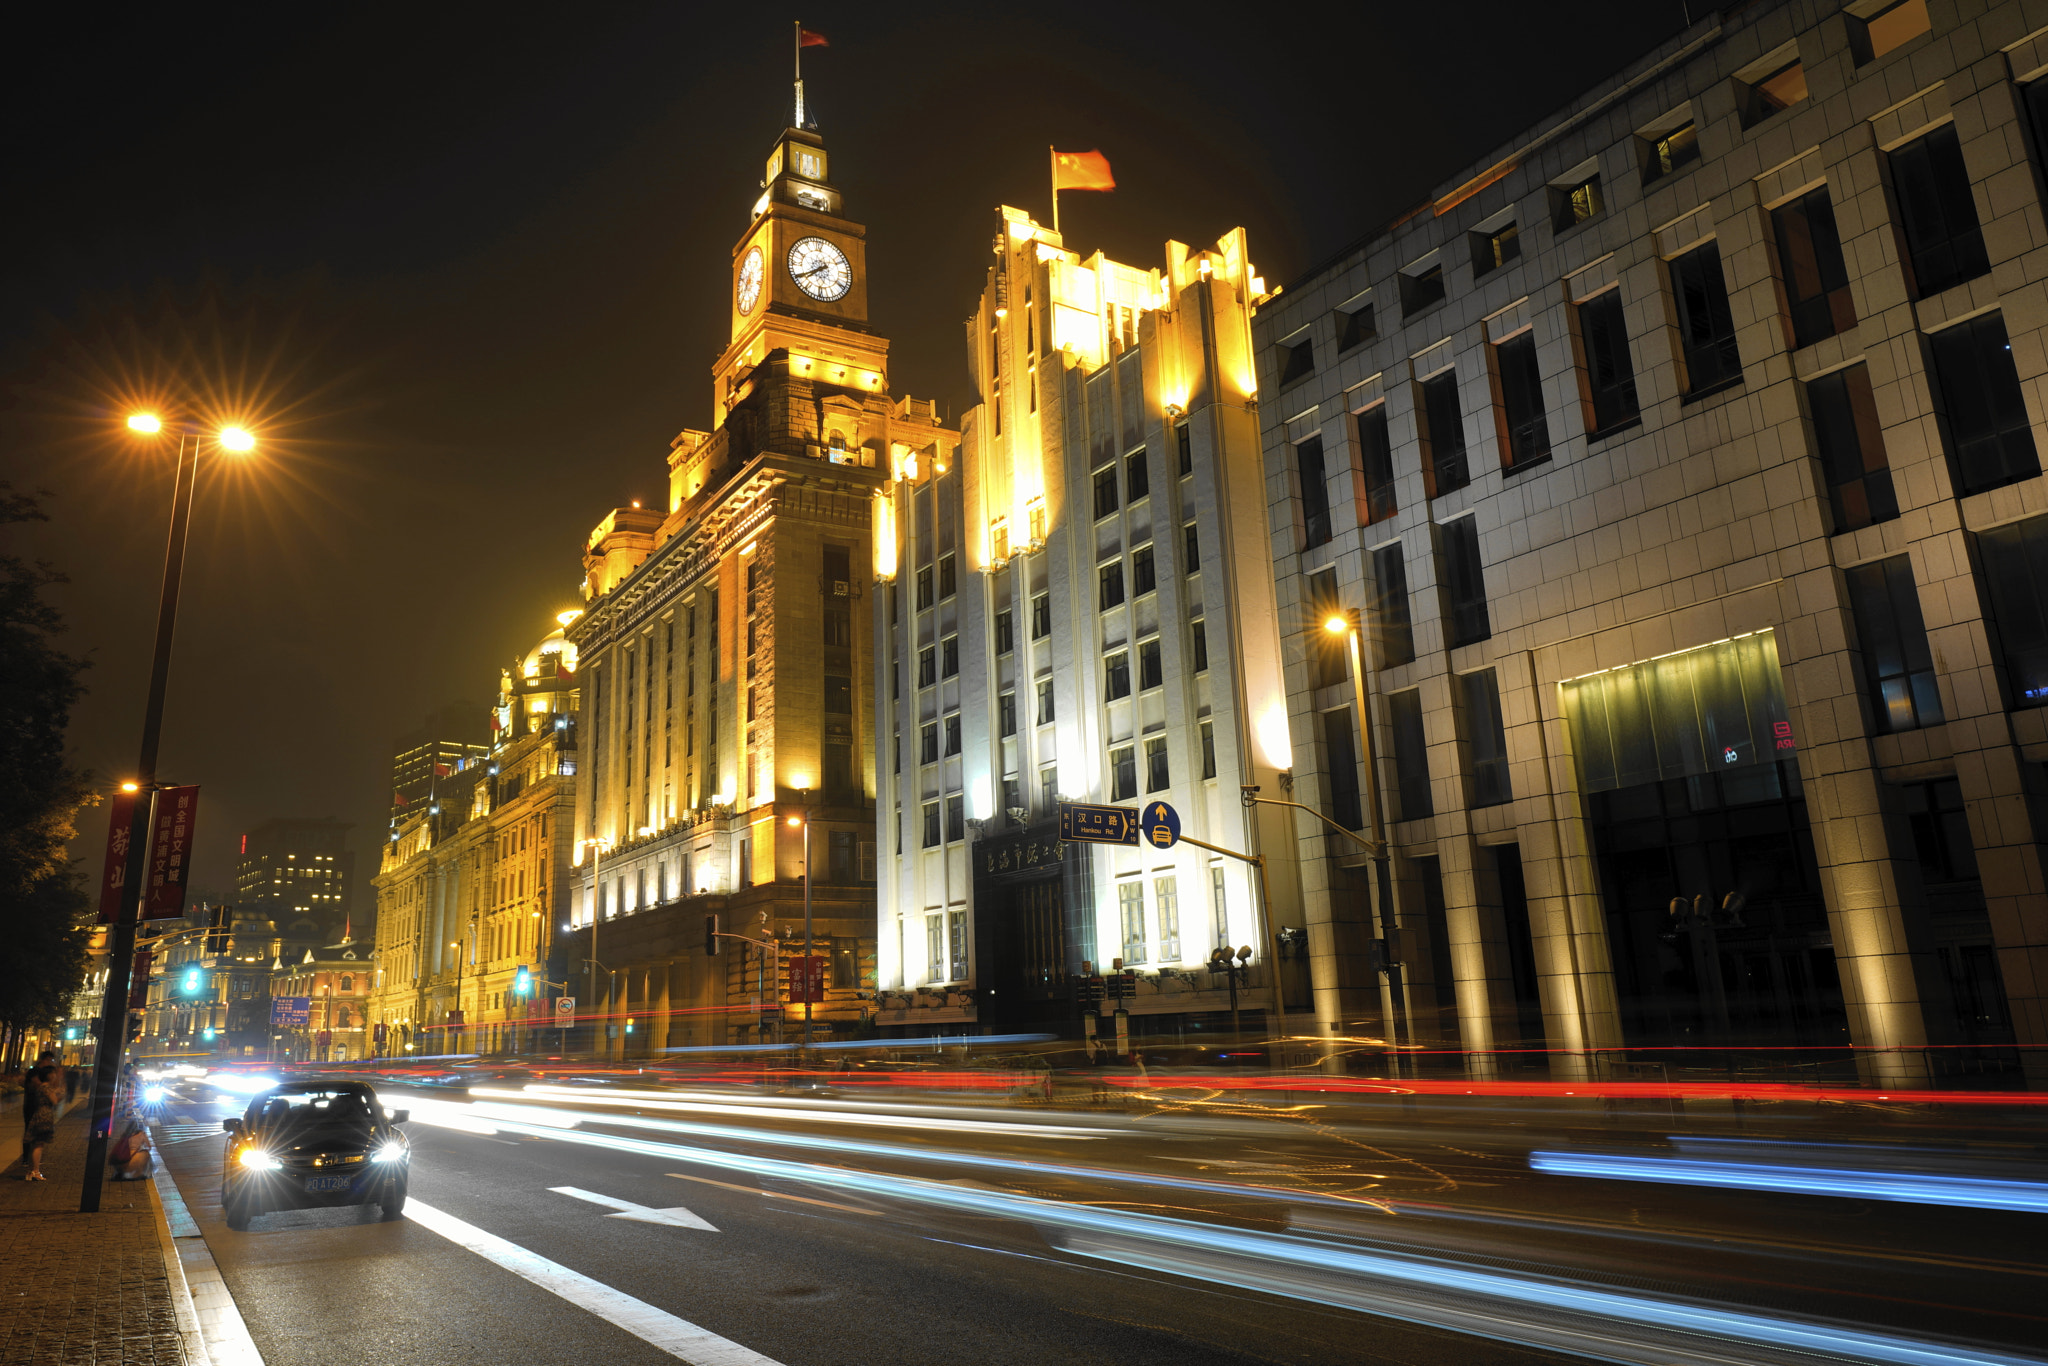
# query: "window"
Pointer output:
{"type": "Point", "coordinates": [1575, 201]}
{"type": "Point", "coordinates": [1778, 87]}
{"type": "Point", "coordinates": [1816, 276]}
{"type": "Point", "coordinates": [1006, 713]}
{"type": "Point", "coordinates": [838, 626]}
{"type": "Point", "coordinates": [1670, 150]}
{"type": "Point", "coordinates": [1166, 905]}
{"type": "Point", "coordinates": [1937, 214]}
{"type": "Point", "coordinates": [1315, 492]}
{"type": "Point", "coordinates": [840, 855]}
{"type": "Point", "coordinates": [1444, 435]}
{"type": "Point", "coordinates": [1411, 755]}
{"type": "Point", "coordinates": [1156, 776]}
{"type": "Point", "coordinates": [1123, 774]}
{"type": "Point", "coordinates": [1493, 248]}
{"type": "Point", "coordinates": [1297, 360]}
{"type": "Point", "coordinates": [1851, 449]}
{"type": "Point", "coordinates": [1486, 741]}
{"type": "Point", "coordinates": [1184, 448]}
{"type": "Point", "coordinates": [1355, 327]}
{"type": "Point", "coordinates": [1199, 634]}
{"type": "Point", "coordinates": [1130, 906]}
{"type": "Point", "coordinates": [1464, 581]}
{"type": "Point", "coordinates": [1117, 671]}
{"type": "Point", "coordinates": [1898, 666]}
{"type": "Point", "coordinates": [948, 583]}
{"type": "Point", "coordinates": [1006, 634]}
{"type": "Point", "coordinates": [1110, 585]}
{"type": "Point", "coordinates": [1041, 616]}
{"type": "Point", "coordinates": [845, 962]}
{"type": "Point", "coordinates": [1048, 789]}
{"type": "Point", "coordinates": [1137, 477]}
{"type": "Point", "coordinates": [928, 743]}
{"type": "Point", "coordinates": [1150, 675]}
{"type": "Point", "coordinates": [949, 657]}
{"type": "Point", "coordinates": [1340, 755]}
{"type": "Point", "coordinates": [1706, 327]}
{"type": "Point", "coordinates": [935, 948]}
{"type": "Point", "coordinates": [1219, 905]}
{"type": "Point", "coordinates": [838, 695]}
{"type": "Point", "coordinates": [924, 588]}
{"type": "Point", "coordinates": [838, 766]}
{"type": "Point", "coordinates": [1610, 374]}
{"type": "Point", "coordinates": [1990, 440]}
{"type": "Point", "coordinates": [1143, 577]}
{"type": "Point", "coordinates": [956, 818]}
{"type": "Point", "coordinates": [1376, 458]}
{"type": "Point", "coordinates": [1208, 749]}
{"type": "Point", "coordinates": [2015, 562]}
{"type": "Point", "coordinates": [746, 875]}
{"type": "Point", "coordinates": [1393, 635]}
{"type": "Point", "coordinates": [1881, 27]}
{"type": "Point", "coordinates": [1045, 703]}
{"type": "Point", "coordinates": [1105, 492]}
{"type": "Point", "coordinates": [1421, 289]}
{"type": "Point", "coordinates": [927, 667]}
{"type": "Point", "coordinates": [1521, 400]}
{"type": "Point", "coordinates": [952, 735]}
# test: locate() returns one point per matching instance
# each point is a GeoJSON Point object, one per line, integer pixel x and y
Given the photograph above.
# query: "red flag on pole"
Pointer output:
{"type": "Point", "coordinates": [398, 799]}
{"type": "Point", "coordinates": [170, 853]}
{"type": "Point", "coordinates": [1081, 171]}
{"type": "Point", "coordinates": [810, 37]}
{"type": "Point", "coordinates": [440, 770]}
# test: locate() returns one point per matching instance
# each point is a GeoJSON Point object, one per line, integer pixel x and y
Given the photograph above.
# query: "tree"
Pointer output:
{"type": "Point", "coordinates": [46, 959]}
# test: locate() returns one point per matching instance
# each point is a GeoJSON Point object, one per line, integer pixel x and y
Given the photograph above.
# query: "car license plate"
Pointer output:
{"type": "Point", "coordinates": [320, 1184]}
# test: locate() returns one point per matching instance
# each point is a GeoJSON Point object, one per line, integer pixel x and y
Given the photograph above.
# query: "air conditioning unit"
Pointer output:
{"type": "Point", "coordinates": [839, 588]}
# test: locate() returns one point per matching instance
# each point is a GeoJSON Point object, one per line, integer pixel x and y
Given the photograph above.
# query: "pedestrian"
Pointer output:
{"type": "Point", "coordinates": [40, 1091]}
{"type": "Point", "coordinates": [130, 1157]}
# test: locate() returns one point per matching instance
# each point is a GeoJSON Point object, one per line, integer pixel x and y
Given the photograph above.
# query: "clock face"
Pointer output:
{"type": "Point", "coordinates": [820, 269]}
{"type": "Point", "coordinates": [750, 281]}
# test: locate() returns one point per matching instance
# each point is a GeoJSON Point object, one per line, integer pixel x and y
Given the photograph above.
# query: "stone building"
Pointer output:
{"type": "Point", "coordinates": [1682, 454]}
{"type": "Point", "coordinates": [1079, 610]}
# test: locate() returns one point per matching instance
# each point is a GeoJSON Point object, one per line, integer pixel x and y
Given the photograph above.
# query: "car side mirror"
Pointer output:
{"type": "Point", "coordinates": [400, 1116]}
{"type": "Point", "coordinates": [231, 1126]}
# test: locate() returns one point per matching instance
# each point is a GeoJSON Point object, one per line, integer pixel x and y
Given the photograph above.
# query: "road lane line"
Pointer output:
{"type": "Point", "coordinates": [774, 1195]}
{"type": "Point", "coordinates": [678, 1337]}
{"type": "Point", "coordinates": [677, 1215]}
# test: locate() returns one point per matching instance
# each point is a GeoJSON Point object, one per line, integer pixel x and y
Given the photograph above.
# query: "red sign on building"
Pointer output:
{"type": "Point", "coordinates": [170, 852]}
{"type": "Point", "coordinates": [120, 817]}
{"type": "Point", "coordinates": [807, 978]}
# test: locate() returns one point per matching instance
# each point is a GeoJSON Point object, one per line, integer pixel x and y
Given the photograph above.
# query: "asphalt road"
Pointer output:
{"type": "Point", "coordinates": [871, 1231]}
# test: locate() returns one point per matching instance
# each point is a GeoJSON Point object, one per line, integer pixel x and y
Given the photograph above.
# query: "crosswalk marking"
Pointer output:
{"type": "Point", "coordinates": [677, 1215]}
{"type": "Point", "coordinates": [183, 1133]}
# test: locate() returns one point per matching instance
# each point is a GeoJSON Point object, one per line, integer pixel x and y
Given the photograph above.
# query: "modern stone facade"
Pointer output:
{"type": "Point", "coordinates": [1739, 358]}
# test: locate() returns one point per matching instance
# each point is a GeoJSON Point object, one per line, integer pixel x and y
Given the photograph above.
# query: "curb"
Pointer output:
{"type": "Point", "coordinates": [208, 1319]}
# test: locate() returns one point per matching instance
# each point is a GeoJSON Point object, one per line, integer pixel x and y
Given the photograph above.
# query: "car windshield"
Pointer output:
{"type": "Point", "coordinates": [343, 1105]}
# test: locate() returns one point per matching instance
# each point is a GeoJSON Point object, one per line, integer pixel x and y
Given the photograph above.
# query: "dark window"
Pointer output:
{"type": "Point", "coordinates": [1941, 831]}
{"type": "Point", "coordinates": [1781, 89]}
{"type": "Point", "coordinates": [1571, 205]}
{"type": "Point", "coordinates": [2035, 95]}
{"type": "Point", "coordinates": [1123, 774]}
{"type": "Point", "coordinates": [1376, 457]}
{"type": "Point", "coordinates": [1898, 666]}
{"type": "Point", "coordinates": [1208, 749]}
{"type": "Point", "coordinates": [956, 818]}
{"type": "Point", "coordinates": [1117, 674]}
{"type": "Point", "coordinates": [927, 667]}
{"type": "Point", "coordinates": [1006, 636]}
{"type": "Point", "coordinates": [1445, 435]}
{"type": "Point", "coordinates": [1110, 585]}
{"type": "Point", "coordinates": [1184, 447]}
{"type": "Point", "coordinates": [1156, 776]}
{"type": "Point", "coordinates": [1137, 476]}
{"type": "Point", "coordinates": [1190, 549]}
{"type": "Point", "coordinates": [1667, 152]}
{"type": "Point", "coordinates": [1340, 753]}
{"type": "Point", "coordinates": [1201, 645]}
{"type": "Point", "coordinates": [1150, 674]}
{"type": "Point", "coordinates": [1495, 248]}
{"type": "Point", "coordinates": [1464, 581]}
{"type": "Point", "coordinates": [1144, 579]}
{"type": "Point", "coordinates": [1937, 214]}
{"type": "Point", "coordinates": [1393, 635]}
{"type": "Point", "coordinates": [838, 626]}
{"type": "Point", "coordinates": [1006, 713]}
{"type": "Point", "coordinates": [846, 962]}
{"type": "Point", "coordinates": [947, 583]}
{"type": "Point", "coordinates": [1041, 616]}
{"type": "Point", "coordinates": [1816, 276]}
{"type": "Point", "coordinates": [1851, 449]}
{"type": "Point", "coordinates": [1045, 702]}
{"type": "Point", "coordinates": [949, 656]}
{"type": "Point", "coordinates": [952, 735]}
{"type": "Point", "coordinates": [1990, 440]}
{"type": "Point", "coordinates": [1105, 492]}
{"type": "Point", "coordinates": [838, 695]}
{"type": "Point", "coordinates": [931, 825]}
{"type": "Point", "coordinates": [928, 743]}
{"type": "Point", "coordinates": [1327, 651]}
{"type": "Point", "coordinates": [1610, 374]}
{"type": "Point", "coordinates": [1706, 327]}
{"type": "Point", "coordinates": [1297, 361]}
{"type": "Point", "coordinates": [1486, 741]}
{"type": "Point", "coordinates": [2015, 560]}
{"type": "Point", "coordinates": [838, 766]}
{"type": "Point", "coordinates": [1355, 327]}
{"type": "Point", "coordinates": [1315, 492]}
{"type": "Point", "coordinates": [924, 587]}
{"type": "Point", "coordinates": [1873, 35]}
{"type": "Point", "coordinates": [1521, 399]}
{"type": "Point", "coordinates": [1420, 290]}
{"type": "Point", "coordinates": [841, 858]}
{"type": "Point", "coordinates": [1411, 755]}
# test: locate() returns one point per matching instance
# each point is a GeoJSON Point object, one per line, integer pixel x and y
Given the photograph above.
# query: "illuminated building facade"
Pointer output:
{"type": "Point", "coordinates": [299, 875]}
{"type": "Point", "coordinates": [1078, 608]}
{"type": "Point", "coordinates": [1683, 457]}
{"type": "Point", "coordinates": [725, 656]}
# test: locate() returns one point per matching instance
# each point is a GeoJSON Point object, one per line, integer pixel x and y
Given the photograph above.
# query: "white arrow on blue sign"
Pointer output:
{"type": "Point", "coordinates": [1160, 825]}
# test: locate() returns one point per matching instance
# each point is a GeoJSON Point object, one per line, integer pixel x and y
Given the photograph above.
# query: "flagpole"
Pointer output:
{"type": "Point", "coordinates": [1053, 160]}
{"type": "Point", "coordinates": [798, 50]}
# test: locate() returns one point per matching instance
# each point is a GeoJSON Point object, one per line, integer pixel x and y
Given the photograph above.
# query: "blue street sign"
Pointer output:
{"type": "Point", "coordinates": [1098, 824]}
{"type": "Point", "coordinates": [1161, 824]}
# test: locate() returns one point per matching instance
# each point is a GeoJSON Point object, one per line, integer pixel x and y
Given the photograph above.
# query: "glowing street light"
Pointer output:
{"type": "Point", "coordinates": [149, 424]}
{"type": "Point", "coordinates": [237, 439]}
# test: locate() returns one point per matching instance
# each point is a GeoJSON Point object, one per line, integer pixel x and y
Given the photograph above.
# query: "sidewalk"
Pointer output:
{"type": "Point", "coordinates": [81, 1289]}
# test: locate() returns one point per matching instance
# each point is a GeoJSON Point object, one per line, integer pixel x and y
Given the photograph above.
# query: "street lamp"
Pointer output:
{"type": "Point", "coordinates": [121, 950]}
{"type": "Point", "coordinates": [805, 821]}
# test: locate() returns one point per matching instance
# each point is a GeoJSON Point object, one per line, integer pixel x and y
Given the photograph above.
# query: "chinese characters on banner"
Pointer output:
{"type": "Point", "coordinates": [807, 978]}
{"type": "Point", "coordinates": [120, 816]}
{"type": "Point", "coordinates": [170, 852]}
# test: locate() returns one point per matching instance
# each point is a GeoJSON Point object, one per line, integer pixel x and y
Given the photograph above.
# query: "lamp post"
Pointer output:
{"type": "Point", "coordinates": [1349, 623]}
{"type": "Point", "coordinates": [805, 821]}
{"type": "Point", "coordinates": [113, 1037]}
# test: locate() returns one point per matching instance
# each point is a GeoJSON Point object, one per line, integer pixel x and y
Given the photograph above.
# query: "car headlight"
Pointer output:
{"type": "Point", "coordinates": [390, 1152]}
{"type": "Point", "coordinates": [152, 1095]}
{"type": "Point", "coordinates": [255, 1159]}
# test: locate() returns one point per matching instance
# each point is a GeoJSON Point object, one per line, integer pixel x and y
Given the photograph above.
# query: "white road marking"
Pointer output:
{"type": "Point", "coordinates": [773, 1195]}
{"type": "Point", "coordinates": [678, 1337]}
{"type": "Point", "coordinates": [677, 1215]}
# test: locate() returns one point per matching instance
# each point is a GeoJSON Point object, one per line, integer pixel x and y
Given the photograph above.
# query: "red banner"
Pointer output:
{"type": "Point", "coordinates": [120, 820]}
{"type": "Point", "coordinates": [807, 978]}
{"type": "Point", "coordinates": [138, 979]}
{"type": "Point", "coordinates": [170, 852]}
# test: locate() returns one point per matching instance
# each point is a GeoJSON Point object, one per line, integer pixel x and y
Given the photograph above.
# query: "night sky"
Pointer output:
{"type": "Point", "coordinates": [463, 268]}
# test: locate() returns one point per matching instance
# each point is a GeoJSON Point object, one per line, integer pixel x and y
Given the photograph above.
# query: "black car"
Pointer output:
{"type": "Point", "coordinates": [313, 1144]}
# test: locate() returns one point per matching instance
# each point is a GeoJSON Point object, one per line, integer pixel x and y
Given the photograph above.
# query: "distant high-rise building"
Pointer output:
{"type": "Point", "coordinates": [452, 739]}
{"type": "Point", "coordinates": [298, 874]}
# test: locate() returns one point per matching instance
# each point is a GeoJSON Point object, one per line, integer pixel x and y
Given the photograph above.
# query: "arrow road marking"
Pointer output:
{"type": "Point", "coordinates": [677, 1215]}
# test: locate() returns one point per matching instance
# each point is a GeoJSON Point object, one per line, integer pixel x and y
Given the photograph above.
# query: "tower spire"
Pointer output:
{"type": "Point", "coordinates": [799, 52]}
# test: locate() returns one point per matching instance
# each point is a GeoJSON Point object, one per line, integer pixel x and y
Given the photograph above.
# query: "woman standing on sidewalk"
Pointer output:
{"type": "Point", "coordinates": [40, 1091]}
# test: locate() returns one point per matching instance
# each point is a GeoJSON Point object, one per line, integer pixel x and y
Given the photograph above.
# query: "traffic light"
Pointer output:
{"type": "Point", "coordinates": [522, 985]}
{"type": "Point", "coordinates": [711, 936]}
{"type": "Point", "coordinates": [194, 982]}
{"type": "Point", "coordinates": [217, 930]}
{"type": "Point", "coordinates": [134, 1026]}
